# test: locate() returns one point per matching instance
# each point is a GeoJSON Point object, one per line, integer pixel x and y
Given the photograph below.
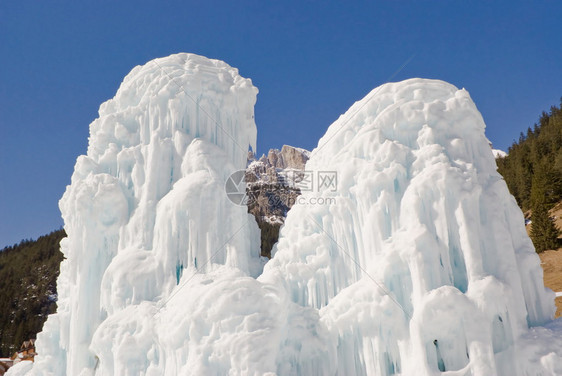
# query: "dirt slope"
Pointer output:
{"type": "Point", "coordinates": [551, 262]}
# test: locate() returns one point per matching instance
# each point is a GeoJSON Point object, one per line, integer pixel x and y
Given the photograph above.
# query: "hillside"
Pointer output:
{"type": "Point", "coordinates": [551, 262]}
{"type": "Point", "coordinates": [540, 145]}
{"type": "Point", "coordinates": [532, 170]}
{"type": "Point", "coordinates": [534, 164]}
{"type": "Point", "coordinates": [28, 273]}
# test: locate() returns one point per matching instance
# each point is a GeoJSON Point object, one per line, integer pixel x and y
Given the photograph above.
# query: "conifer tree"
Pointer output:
{"type": "Point", "coordinates": [28, 273]}
{"type": "Point", "coordinates": [541, 142]}
{"type": "Point", "coordinates": [544, 232]}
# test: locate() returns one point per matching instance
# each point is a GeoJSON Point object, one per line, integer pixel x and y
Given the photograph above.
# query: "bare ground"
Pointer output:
{"type": "Point", "coordinates": [551, 262]}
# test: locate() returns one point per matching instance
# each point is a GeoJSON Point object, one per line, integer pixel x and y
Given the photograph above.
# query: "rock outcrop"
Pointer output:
{"type": "Point", "coordinates": [272, 189]}
{"type": "Point", "coordinates": [288, 157]}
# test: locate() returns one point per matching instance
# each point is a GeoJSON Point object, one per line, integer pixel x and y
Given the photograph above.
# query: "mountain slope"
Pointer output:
{"type": "Point", "coordinates": [541, 144]}
{"type": "Point", "coordinates": [28, 273]}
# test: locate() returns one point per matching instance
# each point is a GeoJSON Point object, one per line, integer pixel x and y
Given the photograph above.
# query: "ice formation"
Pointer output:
{"type": "Point", "coordinates": [146, 208]}
{"type": "Point", "coordinates": [416, 262]}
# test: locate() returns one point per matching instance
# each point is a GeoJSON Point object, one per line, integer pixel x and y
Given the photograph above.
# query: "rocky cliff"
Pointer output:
{"type": "Point", "coordinates": [272, 189]}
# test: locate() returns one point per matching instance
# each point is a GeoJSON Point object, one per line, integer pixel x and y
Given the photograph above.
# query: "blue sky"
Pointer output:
{"type": "Point", "coordinates": [310, 60]}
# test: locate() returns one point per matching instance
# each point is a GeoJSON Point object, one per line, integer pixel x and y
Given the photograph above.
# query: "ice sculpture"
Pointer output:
{"type": "Point", "coordinates": [412, 259]}
{"type": "Point", "coordinates": [147, 205]}
{"type": "Point", "coordinates": [418, 261]}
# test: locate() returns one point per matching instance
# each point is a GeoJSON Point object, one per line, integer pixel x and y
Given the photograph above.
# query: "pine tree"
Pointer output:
{"type": "Point", "coordinates": [28, 273]}
{"type": "Point", "coordinates": [544, 232]}
{"type": "Point", "coordinates": [541, 142]}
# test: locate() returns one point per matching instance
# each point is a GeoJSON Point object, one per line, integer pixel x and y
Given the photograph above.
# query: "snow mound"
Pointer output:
{"type": "Point", "coordinates": [414, 261]}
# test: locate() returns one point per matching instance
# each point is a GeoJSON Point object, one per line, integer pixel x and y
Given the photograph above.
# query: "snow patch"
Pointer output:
{"type": "Point", "coordinates": [499, 153]}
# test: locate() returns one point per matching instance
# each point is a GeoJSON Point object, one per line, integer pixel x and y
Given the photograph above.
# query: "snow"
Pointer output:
{"type": "Point", "coordinates": [499, 153]}
{"type": "Point", "coordinates": [20, 368]}
{"type": "Point", "coordinates": [418, 263]}
{"type": "Point", "coordinates": [303, 151]}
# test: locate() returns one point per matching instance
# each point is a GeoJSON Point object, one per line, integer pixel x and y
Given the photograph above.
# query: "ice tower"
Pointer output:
{"type": "Point", "coordinates": [146, 203]}
{"type": "Point", "coordinates": [420, 263]}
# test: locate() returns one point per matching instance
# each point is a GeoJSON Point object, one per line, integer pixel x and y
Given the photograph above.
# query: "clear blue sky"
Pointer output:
{"type": "Point", "coordinates": [310, 60]}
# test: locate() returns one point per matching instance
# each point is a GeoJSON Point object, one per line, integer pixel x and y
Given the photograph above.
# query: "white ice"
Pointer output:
{"type": "Point", "coordinates": [420, 262]}
{"type": "Point", "coordinates": [416, 263]}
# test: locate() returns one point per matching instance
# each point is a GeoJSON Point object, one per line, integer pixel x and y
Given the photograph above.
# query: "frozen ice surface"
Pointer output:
{"type": "Point", "coordinates": [416, 263]}
{"type": "Point", "coordinates": [419, 263]}
{"type": "Point", "coordinates": [146, 209]}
